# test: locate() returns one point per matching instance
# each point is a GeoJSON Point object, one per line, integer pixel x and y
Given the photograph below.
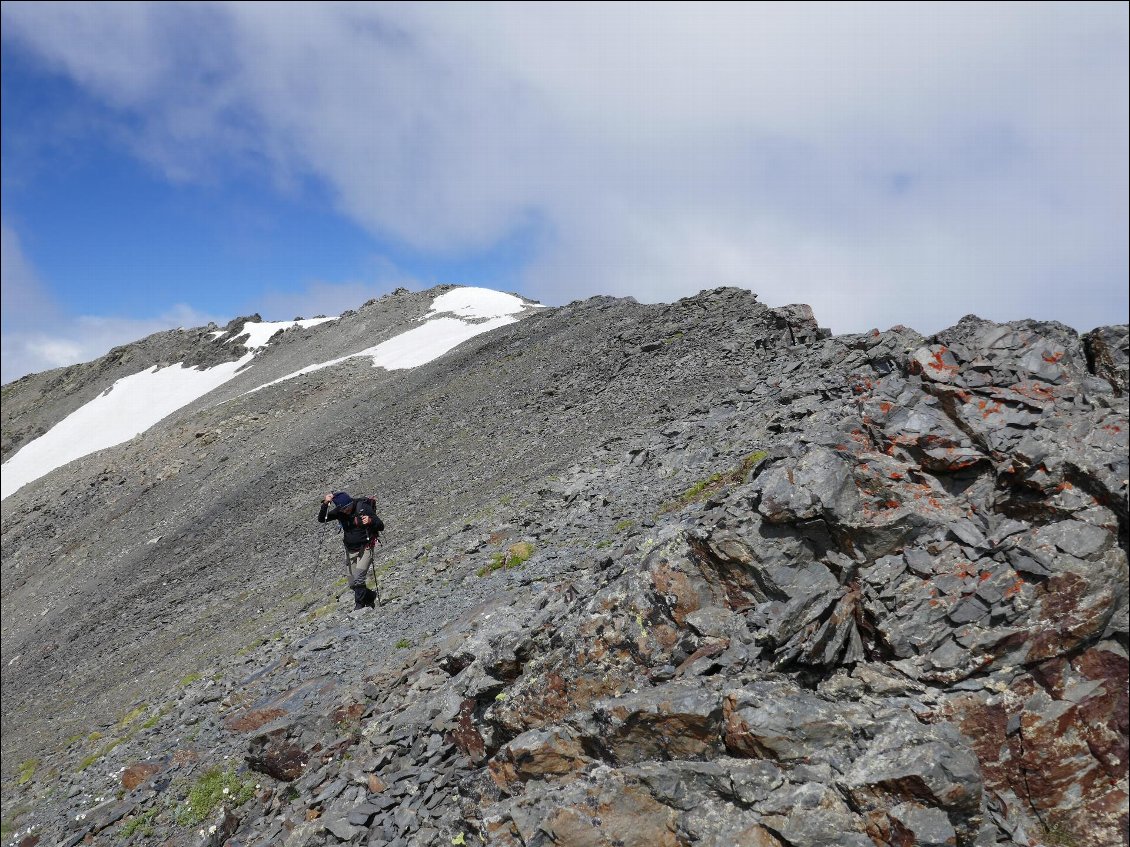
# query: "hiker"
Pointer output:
{"type": "Point", "coordinates": [361, 528]}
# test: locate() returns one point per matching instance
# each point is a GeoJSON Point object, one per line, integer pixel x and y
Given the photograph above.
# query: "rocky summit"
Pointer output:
{"type": "Point", "coordinates": [653, 576]}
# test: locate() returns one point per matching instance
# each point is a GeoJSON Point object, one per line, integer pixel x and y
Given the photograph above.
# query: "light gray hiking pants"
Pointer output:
{"type": "Point", "coordinates": [358, 561]}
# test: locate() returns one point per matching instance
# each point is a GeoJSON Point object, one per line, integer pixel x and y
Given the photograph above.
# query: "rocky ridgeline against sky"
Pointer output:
{"type": "Point", "coordinates": [687, 574]}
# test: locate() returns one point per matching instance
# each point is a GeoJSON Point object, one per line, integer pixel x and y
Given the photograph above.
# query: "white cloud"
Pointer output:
{"type": "Point", "coordinates": [51, 352]}
{"type": "Point", "coordinates": [39, 335]}
{"type": "Point", "coordinates": [70, 339]}
{"type": "Point", "coordinates": [22, 293]}
{"type": "Point", "coordinates": [886, 163]}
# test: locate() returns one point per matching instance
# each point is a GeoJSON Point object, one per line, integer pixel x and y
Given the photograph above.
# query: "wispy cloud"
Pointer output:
{"type": "Point", "coordinates": [24, 297]}
{"type": "Point", "coordinates": [40, 334]}
{"type": "Point", "coordinates": [885, 163]}
{"type": "Point", "coordinates": [82, 338]}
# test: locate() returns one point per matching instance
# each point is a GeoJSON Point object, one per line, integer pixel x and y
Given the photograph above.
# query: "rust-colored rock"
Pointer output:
{"type": "Point", "coordinates": [1106, 715]}
{"type": "Point", "coordinates": [466, 736]}
{"type": "Point", "coordinates": [1072, 612]}
{"type": "Point", "coordinates": [138, 773]}
{"type": "Point", "coordinates": [628, 817]}
{"type": "Point", "coordinates": [677, 584]}
{"type": "Point", "coordinates": [252, 719]}
{"type": "Point", "coordinates": [348, 715]}
{"type": "Point", "coordinates": [565, 689]}
{"type": "Point", "coordinates": [537, 754]}
{"type": "Point", "coordinates": [675, 721]}
{"type": "Point", "coordinates": [1065, 757]}
{"type": "Point", "coordinates": [755, 836]}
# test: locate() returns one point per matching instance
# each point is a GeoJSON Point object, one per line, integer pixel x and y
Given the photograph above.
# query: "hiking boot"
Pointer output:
{"type": "Point", "coordinates": [370, 600]}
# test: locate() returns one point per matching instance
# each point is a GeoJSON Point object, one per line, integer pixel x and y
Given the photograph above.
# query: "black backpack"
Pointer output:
{"type": "Point", "coordinates": [368, 506]}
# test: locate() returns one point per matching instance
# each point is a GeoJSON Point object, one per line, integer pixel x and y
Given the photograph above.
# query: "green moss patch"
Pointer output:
{"type": "Point", "coordinates": [716, 482]}
{"type": "Point", "coordinates": [515, 556]}
{"type": "Point", "coordinates": [27, 771]}
{"type": "Point", "coordinates": [210, 790]}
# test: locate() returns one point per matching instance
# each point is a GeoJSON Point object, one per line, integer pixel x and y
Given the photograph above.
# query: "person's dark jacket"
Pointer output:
{"type": "Point", "coordinates": [356, 534]}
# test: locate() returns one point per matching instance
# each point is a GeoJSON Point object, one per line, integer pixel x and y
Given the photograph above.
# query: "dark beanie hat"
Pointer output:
{"type": "Point", "coordinates": [341, 500]}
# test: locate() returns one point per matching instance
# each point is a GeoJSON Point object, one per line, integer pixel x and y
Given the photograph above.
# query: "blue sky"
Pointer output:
{"type": "Point", "coordinates": [172, 164]}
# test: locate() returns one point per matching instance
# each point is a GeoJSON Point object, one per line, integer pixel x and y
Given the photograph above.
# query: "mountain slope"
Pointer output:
{"type": "Point", "coordinates": [777, 589]}
{"type": "Point", "coordinates": [206, 518]}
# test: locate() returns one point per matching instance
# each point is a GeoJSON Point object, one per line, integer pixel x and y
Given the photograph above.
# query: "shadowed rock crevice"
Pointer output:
{"type": "Point", "coordinates": [1108, 353]}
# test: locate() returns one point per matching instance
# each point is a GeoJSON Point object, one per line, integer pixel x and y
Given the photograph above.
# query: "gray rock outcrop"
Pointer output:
{"type": "Point", "coordinates": [692, 574]}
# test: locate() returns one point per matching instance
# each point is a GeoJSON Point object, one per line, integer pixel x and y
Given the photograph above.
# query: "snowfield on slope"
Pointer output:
{"type": "Point", "coordinates": [436, 335]}
{"type": "Point", "coordinates": [129, 407]}
{"type": "Point", "coordinates": [409, 349]}
{"type": "Point", "coordinates": [135, 403]}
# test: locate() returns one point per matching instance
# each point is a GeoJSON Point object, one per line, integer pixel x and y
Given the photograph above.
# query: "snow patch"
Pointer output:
{"type": "Point", "coordinates": [476, 303]}
{"type": "Point", "coordinates": [428, 342]}
{"type": "Point", "coordinates": [437, 335]}
{"type": "Point", "coordinates": [129, 407]}
{"type": "Point", "coordinates": [260, 332]}
{"type": "Point", "coordinates": [412, 348]}
{"type": "Point", "coordinates": [135, 403]}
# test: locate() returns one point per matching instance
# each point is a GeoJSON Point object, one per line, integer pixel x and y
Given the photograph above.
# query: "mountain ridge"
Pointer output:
{"type": "Point", "coordinates": [692, 481]}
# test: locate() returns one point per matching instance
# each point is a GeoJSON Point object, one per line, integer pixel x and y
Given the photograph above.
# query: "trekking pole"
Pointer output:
{"type": "Point", "coordinates": [318, 548]}
{"type": "Point", "coordinates": [376, 576]}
